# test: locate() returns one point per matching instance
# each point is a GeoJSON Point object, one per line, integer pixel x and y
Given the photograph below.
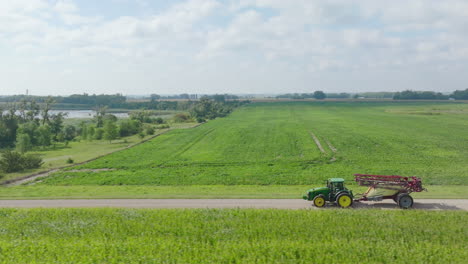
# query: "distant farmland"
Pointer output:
{"type": "Point", "coordinates": [296, 143]}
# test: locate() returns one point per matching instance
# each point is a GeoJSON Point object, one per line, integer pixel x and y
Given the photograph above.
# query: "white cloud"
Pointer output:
{"type": "Point", "coordinates": [272, 38]}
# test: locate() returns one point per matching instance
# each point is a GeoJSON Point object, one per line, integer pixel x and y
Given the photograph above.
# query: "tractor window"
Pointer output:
{"type": "Point", "coordinates": [339, 185]}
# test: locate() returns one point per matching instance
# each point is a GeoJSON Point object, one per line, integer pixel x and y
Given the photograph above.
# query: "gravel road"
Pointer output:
{"type": "Point", "coordinates": [424, 204]}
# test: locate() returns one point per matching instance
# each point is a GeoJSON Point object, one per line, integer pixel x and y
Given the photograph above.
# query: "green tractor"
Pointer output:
{"type": "Point", "coordinates": [334, 192]}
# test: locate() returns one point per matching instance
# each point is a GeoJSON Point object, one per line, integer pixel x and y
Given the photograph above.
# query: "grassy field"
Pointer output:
{"type": "Point", "coordinates": [80, 151]}
{"type": "Point", "coordinates": [272, 144]}
{"type": "Point", "coordinates": [196, 192]}
{"type": "Point", "coordinates": [231, 236]}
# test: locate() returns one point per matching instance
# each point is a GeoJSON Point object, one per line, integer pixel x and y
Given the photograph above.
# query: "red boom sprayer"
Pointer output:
{"type": "Point", "coordinates": [393, 187]}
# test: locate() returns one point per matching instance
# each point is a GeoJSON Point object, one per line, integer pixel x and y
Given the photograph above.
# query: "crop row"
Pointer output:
{"type": "Point", "coordinates": [231, 236]}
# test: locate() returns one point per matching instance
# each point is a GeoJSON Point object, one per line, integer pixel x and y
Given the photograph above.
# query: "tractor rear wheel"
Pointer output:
{"type": "Point", "coordinates": [319, 201]}
{"type": "Point", "coordinates": [405, 201]}
{"type": "Point", "coordinates": [344, 200]}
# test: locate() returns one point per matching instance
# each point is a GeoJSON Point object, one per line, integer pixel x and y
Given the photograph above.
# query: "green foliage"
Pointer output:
{"type": "Point", "coordinates": [30, 129]}
{"type": "Point", "coordinates": [70, 161]}
{"type": "Point", "coordinates": [12, 161]}
{"type": "Point", "coordinates": [8, 126]}
{"type": "Point", "coordinates": [149, 130]}
{"type": "Point", "coordinates": [207, 108]}
{"type": "Point", "coordinates": [158, 120]}
{"type": "Point", "coordinates": [32, 161]}
{"type": "Point", "coordinates": [98, 133]}
{"type": "Point", "coordinates": [69, 132]}
{"type": "Point", "coordinates": [101, 111]}
{"type": "Point", "coordinates": [129, 127]}
{"type": "Point", "coordinates": [163, 126]}
{"type": "Point", "coordinates": [460, 94]}
{"type": "Point", "coordinates": [141, 115]}
{"type": "Point", "coordinates": [111, 131]}
{"type": "Point", "coordinates": [23, 142]}
{"type": "Point", "coordinates": [56, 124]}
{"type": "Point", "coordinates": [319, 95]}
{"type": "Point", "coordinates": [231, 236]}
{"type": "Point", "coordinates": [91, 130]}
{"type": "Point", "coordinates": [44, 135]}
{"type": "Point", "coordinates": [415, 95]}
{"type": "Point", "coordinates": [270, 143]}
{"type": "Point", "coordinates": [181, 118]}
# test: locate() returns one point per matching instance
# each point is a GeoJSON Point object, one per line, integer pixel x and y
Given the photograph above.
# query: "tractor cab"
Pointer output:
{"type": "Point", "coordinates": [336, 184]}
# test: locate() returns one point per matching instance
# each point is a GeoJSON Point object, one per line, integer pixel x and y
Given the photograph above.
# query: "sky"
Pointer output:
{"type": "Point", "coordinates": [62, 47]}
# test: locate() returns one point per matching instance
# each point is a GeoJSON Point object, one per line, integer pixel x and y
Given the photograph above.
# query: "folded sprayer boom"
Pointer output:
{"type": "Point", "coordinates": [393, 187]}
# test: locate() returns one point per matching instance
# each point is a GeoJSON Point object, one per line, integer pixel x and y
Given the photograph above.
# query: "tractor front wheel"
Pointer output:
{"type": "Point", "coordinates": [319, 201]}
{"type": "Point", "coordinates": [405, 201]}
{"type": "Point", "coordinates": [344, 200]}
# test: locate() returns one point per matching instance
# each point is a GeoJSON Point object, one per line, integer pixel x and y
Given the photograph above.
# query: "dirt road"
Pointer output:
{"type": "Point", "coordinates": [424, 204]}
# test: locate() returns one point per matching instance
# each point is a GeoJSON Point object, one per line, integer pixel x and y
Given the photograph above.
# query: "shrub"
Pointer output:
{"type": "Point", "coordinates": [13, 161]}
{"type": "Point", "coordinates": [158, 120]}
{"type": "Point", "coordinates": [181, 118]}
{"type": "Point", "coordinates": [32, 161]}
{"type": "Point", "coordinates": [162, 126]}
{"type": "Point", "coordinates": [149, 130]}
{"type": "Point", "coordinates": [70, 161]}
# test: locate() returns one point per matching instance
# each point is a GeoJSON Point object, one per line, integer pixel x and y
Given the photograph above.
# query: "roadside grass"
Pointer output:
{"type": "Point", "coordinates": [83, 150]}
{"type": "Point", "coordinates": [196, 192]}
{"type": "Point", "coordinates": [232, 236]}
{"type": "Point", "coordinates": [271, 144]}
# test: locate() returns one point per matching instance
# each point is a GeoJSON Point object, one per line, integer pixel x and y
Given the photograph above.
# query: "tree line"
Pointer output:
{"type": "Point", "coordinates": [319, 95]}
{"type": "Point", "coordinates": [428, 95]}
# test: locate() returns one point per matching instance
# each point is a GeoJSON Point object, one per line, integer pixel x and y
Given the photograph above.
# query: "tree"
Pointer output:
{"type": "Point", "coordinates": [83, 130]}
{"type": "Point", "coordinates": [319, 95]}
{"type": "Point", "coordinates": [57, 124]}
{"type": "Point", "coordinates": [69, 132]}
{"type": "Point", "coordinates": [28, 109]}
{"type": "Point", "coordinates": [23, 142]}
{"type": "Point", "coordinates": [44, 135]}
{"type": "Point", "coordinates": [99, 117]}
{"type": "Point", "coordinates": [460, 94]}
{"type": "Point", "coordinates": [29, 128]}
{"type": "Point", "coordinates": [110, 131]}
{"type": "Point", "coordinates": [98, 133]}
{"type": "Point", "coordinates": [8, 126]}
{"type": "Point", "coordinates": [45, 110]}
{"type": "Point", "coordinates": [129, 127]}
{"type": "Point", "coordinates": [90, 130]}
{"type": "Point", "coordinates": [155, 97]}
{"type": "Point", "coordinates": [219, 98]}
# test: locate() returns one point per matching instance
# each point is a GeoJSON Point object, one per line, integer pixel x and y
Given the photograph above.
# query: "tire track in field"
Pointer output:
{"type": "Point", "coordinates": [333, 149]}
{"type": "Point", "coordinates": [317, 142]}
{"type": "Point", "coordinates": [320, 147]}
{"type": "Point", "coordinates": [191, 144]}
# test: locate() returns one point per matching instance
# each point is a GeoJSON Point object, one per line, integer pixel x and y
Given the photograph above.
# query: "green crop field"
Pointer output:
{"type": "Point", "coordinates": [273, 144]}
{"type": "Point", "coordinates": [231, 236]}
